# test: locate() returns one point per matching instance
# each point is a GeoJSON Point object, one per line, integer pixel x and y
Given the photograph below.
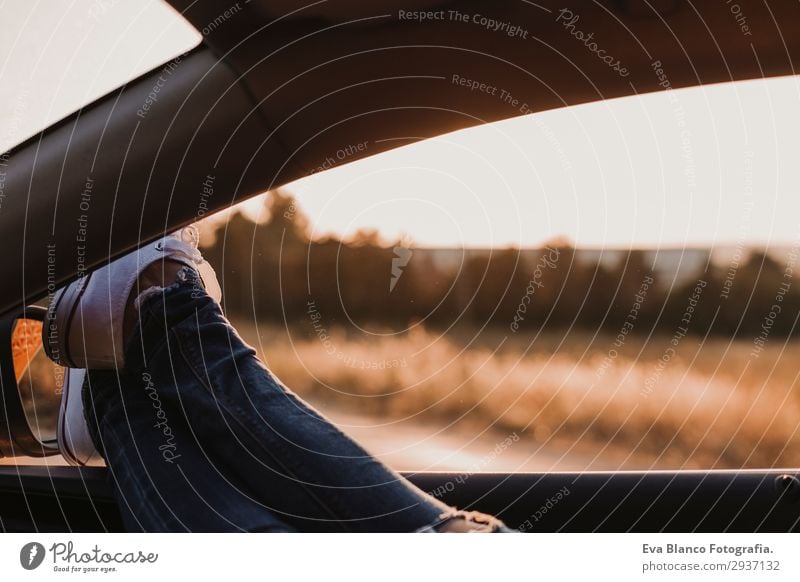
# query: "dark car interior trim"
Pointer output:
{"type": "Point", "coordinates": [80, 499]}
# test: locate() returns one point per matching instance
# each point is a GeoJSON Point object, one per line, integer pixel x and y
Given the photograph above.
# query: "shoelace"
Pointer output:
{"type": "Point", "coordinates": [184, 242]}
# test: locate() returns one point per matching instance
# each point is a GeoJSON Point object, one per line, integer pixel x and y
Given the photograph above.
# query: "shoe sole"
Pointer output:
{"type": "Point", "coordinates": [66, 400]}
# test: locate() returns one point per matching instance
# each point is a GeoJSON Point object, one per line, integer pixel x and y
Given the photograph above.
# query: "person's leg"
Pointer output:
{"type": "Point", "coordinates": [237, 438]}
{"type": "Point", "coordinates": [163, 480]}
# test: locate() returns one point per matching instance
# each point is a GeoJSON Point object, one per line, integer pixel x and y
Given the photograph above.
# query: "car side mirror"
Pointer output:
{"type": "Point", "coordinates": [31, 386]}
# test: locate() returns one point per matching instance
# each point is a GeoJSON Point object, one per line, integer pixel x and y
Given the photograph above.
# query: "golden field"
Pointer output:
{"type": "Point", "coordinates": [712, 404]}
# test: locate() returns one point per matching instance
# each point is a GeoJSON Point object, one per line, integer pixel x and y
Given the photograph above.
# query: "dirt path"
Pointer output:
{"type": "Point", "coordinates": [411, 446]}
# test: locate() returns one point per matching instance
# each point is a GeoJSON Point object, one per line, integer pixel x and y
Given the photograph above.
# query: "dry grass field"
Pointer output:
{"type": "Point", "coordinates": [711, 404]}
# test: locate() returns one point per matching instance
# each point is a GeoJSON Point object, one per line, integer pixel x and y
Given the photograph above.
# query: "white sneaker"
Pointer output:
{"type": "Point", "coordinates": [84, 329]}
{"type": "Point", "coordinates": [84, 325]}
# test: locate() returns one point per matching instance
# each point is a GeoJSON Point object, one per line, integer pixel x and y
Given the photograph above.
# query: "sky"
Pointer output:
{"type": "Point", "coordinates": [714, 165]}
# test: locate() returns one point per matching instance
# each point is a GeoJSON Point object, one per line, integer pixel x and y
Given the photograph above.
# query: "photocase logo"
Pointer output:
{"type": "Point", "coordinates": [401, 257]}
{"type": "Point", "coordinates": [31, 555]}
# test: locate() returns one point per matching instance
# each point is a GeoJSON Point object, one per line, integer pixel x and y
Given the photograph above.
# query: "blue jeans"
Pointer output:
{"type": "Point", "coordinates": [200, 436]}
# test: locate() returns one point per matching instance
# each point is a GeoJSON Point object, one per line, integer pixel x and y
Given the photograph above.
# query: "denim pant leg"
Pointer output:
{"type": "Point", "coordinates": [238, 428]}
{"type": "Point", "coordinates": [162, 479]}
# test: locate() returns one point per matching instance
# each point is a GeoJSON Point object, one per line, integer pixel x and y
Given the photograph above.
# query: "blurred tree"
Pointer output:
{"type": "Point", "coordinates": [271, 269]}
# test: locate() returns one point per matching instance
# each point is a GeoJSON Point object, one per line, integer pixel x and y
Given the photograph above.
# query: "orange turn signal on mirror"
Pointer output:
{"type": "Point", "coordinates": [26, 341]}
{"type": "Point", "coordinates": [30, 387]}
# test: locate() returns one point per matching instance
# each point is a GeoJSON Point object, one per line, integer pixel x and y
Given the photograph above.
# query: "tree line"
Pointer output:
{"type": "Point", "coordinates": [273, 271]}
